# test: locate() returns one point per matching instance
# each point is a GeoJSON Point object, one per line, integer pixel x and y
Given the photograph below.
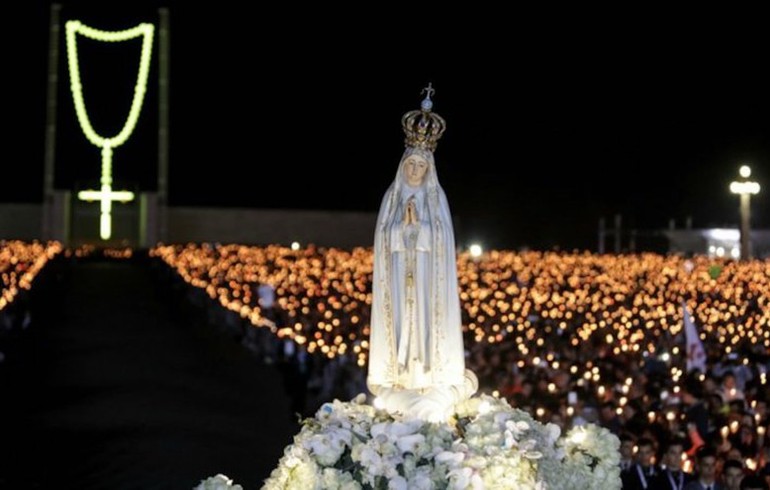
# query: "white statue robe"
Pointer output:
{"type": "Point", "coordinates": [410, 247]}
{"type": "Point", "coordinates": [416, 333]}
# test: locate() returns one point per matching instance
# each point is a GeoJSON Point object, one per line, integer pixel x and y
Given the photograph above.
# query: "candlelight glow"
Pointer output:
{"type": "Point", "coordinates": [505, 296]}
{"type": "Point", "coordinates": [20, 262]}
{"type": "Point", "coordinates": [547, 315]}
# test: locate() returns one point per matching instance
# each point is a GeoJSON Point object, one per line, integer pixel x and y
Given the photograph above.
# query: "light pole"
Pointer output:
{"type": "Point", "coordinates": [745, 188]}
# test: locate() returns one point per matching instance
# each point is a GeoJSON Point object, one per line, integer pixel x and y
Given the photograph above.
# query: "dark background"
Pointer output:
{"type": "Point", "coordinates": [552, 122]}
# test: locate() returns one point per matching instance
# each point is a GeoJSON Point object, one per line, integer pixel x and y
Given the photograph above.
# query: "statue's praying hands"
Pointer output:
{"type": "Point", "coordinates": [410, 216]}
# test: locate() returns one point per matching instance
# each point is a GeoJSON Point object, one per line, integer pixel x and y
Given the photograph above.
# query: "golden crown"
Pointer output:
{"type": "Point", "coordinates": [422, 127]}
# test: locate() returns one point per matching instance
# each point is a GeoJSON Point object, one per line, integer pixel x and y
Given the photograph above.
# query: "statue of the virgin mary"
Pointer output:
{"type": "Point", "coordinates": [417, 360]}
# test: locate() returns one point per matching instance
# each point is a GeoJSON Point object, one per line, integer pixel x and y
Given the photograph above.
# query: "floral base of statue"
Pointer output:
{"type": "Point", "coordinates": [484, 444]}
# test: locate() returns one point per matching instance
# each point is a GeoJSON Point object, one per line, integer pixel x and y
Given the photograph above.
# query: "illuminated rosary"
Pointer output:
{"type": "Point", "coordinates": [106, 196]}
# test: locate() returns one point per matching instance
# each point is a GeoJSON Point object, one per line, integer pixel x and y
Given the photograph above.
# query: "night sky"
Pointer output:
{"type": "Point", "coordinates": [551, 124]}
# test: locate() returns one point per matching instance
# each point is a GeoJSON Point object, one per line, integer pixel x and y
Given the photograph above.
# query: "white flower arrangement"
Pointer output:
{"type": "Point", "coordinates": [592, 452]}
{"type": "Point", "coordinates": [486, 444]}
{"type": "Point", "coordinates": [218, 482]}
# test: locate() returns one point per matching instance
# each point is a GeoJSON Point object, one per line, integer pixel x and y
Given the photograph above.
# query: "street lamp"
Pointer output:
{"type": "Point", "coordinates": [745, 188]}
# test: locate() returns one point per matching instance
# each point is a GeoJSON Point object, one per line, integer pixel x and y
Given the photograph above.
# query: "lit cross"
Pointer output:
{"type": "Point", "coordinates": [429, 89]}
{"type": "Point", "coordinates": [106, 196]}
{"type": "Point", "coordinates": [745, 188]}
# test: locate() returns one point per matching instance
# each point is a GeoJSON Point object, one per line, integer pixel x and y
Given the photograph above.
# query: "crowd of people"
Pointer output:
{"type": "Point", "coordinates": [20, 263]}
{"type": "Point", "coordinates": [570, 337]}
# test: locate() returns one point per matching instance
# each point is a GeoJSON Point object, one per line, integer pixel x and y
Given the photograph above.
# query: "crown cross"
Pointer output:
{"type": "Point", "coordinates": [429, 89]}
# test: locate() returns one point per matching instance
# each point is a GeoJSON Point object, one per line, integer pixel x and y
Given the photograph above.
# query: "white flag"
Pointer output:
{"type": "Point", "coordinates": [696, 355]}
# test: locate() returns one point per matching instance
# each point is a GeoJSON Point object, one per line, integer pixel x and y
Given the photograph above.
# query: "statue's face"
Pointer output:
{"type": "Point", "coordinates": [416, 168]}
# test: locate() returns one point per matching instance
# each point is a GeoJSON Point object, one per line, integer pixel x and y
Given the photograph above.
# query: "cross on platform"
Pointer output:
{"type": "Point", "coordinates": [106, 196]}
